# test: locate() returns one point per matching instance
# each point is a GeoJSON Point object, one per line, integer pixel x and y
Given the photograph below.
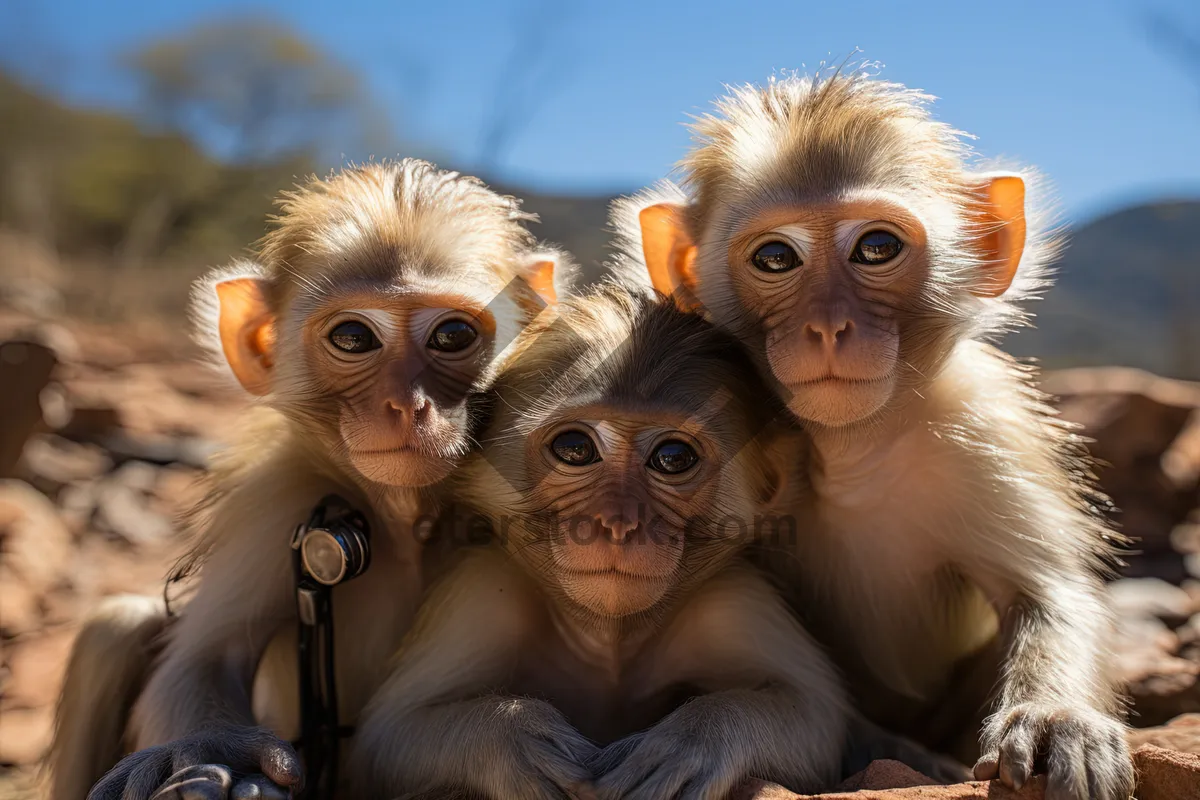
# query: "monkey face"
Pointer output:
{"type": "Point", "coordinates": [391, 377]}
{"type": "Point", "coordinates": [622, 492]}
{"type": "Point", "coordinates": [827, 288]}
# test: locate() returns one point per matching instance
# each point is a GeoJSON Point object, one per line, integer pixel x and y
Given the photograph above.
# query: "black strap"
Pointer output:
{"type": "Point", "coordinates": [320, 729]}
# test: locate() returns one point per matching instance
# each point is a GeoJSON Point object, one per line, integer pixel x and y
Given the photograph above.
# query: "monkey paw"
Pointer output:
{"type": "Point", "coordinates": [667, 761]}
{"type": "Point", "coordinates": [549, 758]}
{"type": "Point", "coordinates": [207, 766]}
{"type": "Point", "coordinates": [1083, 752]}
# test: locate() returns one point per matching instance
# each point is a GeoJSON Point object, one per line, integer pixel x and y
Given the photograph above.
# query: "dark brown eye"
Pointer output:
{"type": "Point", "coordinates": [575, 448]}
{"type": "Point", "coordinates": [673, 457]}
{"type": "Point", "coordinates": [452, 336]}
{"type": "Point", "coordinates": [354, 337]}
{"type": "Point", "coordinates": [876, 247]}
{"type": "Point", "coordinates": [776, 257]}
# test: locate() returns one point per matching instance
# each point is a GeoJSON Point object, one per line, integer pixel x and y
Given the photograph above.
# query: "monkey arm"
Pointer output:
{"type": "Point", "coordinates": [207, 669]}
{"type": "Point", "coordinates": [1057, 693]}
{"type": "Point", "coordinates": [775, 707]}
{"type": "Point", "coordinates": [436, 723]}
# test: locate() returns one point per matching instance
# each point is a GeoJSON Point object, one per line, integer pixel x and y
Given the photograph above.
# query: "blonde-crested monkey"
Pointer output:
{"type": "Point", "coordinates": [368, 327]}
{"type": "Point", "coordinates": [835, 228]}
{"type": "Point", "coordinates": [610, 641]}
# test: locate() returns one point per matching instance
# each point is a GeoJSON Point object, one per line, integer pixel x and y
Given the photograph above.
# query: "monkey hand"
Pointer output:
{"type": "Point", "coordinates": [1086, 754]}
{"type": "Point", "coordinates": [546, 758]}
{"type": "Point", "coordinates": [684, 756]}
{"type": "Point", "coordinates": [206, 766]}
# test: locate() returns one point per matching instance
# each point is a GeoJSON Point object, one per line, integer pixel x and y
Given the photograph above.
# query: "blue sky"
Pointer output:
{"type": "Point", "coordinates": [1077, 88]}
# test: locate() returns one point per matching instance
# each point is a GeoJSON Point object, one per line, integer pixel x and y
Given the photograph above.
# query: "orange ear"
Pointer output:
{"type": "Point", "coordinates": [999, 215]}
{"type": "Point", "coordinates": [247, 329]}
{"type": "Point", "coordinates": [670, 252]}
{"type": "Point", "coordinates": [540, 278]}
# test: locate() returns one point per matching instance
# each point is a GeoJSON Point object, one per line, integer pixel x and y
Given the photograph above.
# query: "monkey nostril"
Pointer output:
{"type": "Point", "coordinates": [812, 334]}
{"type": "Point", "coordinates": [843, 331]}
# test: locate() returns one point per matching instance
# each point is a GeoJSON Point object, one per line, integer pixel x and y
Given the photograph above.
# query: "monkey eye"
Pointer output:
{"type": "Point", "coordinates": [452, 336]}
{"type": "Point", "coordinates": [673, 457]}
{"type": "Point", "coordinates": [776, 257]}
{"type": "Point", "coordinates": [876, 247]}
{"type": "Point", "coordinates": [575, 448]}
{"type": "Point", "coordinates": [354, 337]}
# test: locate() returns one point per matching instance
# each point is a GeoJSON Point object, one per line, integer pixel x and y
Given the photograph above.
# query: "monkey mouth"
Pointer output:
{"type": "Point", "coordinates": [404, 449]}
{"type": "Point", "coordinates": [841, 380]}
{"type": "Point", "coordinates": [612, 573]}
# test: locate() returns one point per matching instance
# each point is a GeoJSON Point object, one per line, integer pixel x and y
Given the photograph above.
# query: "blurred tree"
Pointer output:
{"type": "Point", "coordinates": [253, 91]}
{"type": "Point", "coordinates": [527, 79]}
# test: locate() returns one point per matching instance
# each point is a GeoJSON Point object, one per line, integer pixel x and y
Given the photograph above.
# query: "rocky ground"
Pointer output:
{"type": "Point", "coordinates": [104, 434]}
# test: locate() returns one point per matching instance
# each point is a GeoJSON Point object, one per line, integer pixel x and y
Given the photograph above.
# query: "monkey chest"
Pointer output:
{"type": "Point", "coordinates": [602, 705]}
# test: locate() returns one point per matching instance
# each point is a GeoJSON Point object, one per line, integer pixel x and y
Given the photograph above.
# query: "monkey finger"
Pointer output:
{"type": "Point", "coordinates": [550, 762]}
{"type": "Point", "coordinates": [668, 781]}
{"type": "Point", "coordinates": [1017, 751]}
{"type": "Point", "coordinates": [1067, 768]}
{"type": "Point", "coordinates": [149, 774]}
{"type": "Point", "coordinates": [622, 780]}
{"type": "Point", "coordinates": [279, 762]}
{"type": "Point", "coordinates": [987, 767]}
{"type": "Point", "coordinates": [112, 785]}
{"type": "Point", "coordinates": [258, 787]}
{"type": "Point", "coordinates": [200, 782]}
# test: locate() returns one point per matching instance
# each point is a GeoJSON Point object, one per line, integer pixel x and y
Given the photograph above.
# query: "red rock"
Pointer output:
{"type": "Point", "coordinates": [25, 370]}
{"type": "Point", "coordinates": [53, 462]}
{"type": "Point", "coordinates": [1166, 774]}
{"type": "Point", "coordinates": [976, 790]}
{"type": "Point", "coordinates": [1181, 733]}
{"type": "Point", "coordinates": [885, 774]}
{"type": "Point", "coordinates": [34, 542]}
{"type": "Point", "coordinates": [1147, 437]}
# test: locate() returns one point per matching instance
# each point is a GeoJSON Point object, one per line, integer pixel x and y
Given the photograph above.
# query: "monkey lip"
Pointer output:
{"type": "Point", "coordinates": [406, 449]}
{"type": "Point", "coordinates": [841, 380]}
{"type": "Point", "coordinates": [611, 573]}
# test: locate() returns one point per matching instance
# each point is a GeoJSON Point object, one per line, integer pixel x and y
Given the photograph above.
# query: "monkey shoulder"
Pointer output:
{"type": "Point", "coordinates": [485, 593]}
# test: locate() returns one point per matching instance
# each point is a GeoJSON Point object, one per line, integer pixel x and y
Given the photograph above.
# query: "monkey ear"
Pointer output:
{"type": "Point", "coordinates": [232, 320]}
{"type": "Point", "coordinates": [550, 273]}
{"type": "Point", "coordinates": [998, 214]}
{"type": "Point", "coordinates": [247, 329]}
{"type": "Point", "coordinates": [670, 251]}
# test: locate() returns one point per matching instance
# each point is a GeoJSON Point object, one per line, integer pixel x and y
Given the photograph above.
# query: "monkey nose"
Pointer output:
{"type": "Point", "coordinates": [828, 333]}
{"type": "Point", "coordinates": [413, 406]}
{"type": "Point", "coordinates": [617, 528]}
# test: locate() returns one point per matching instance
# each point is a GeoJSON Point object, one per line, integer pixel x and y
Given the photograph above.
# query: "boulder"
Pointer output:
{"type": "Point", "coordinates": [1147, 442]}
{"type": "Point", "coordinates": [34, 542]}
{"type": "Point", "coordinates": [25, 370]}
{"type": "Point", "coordinates": [1181, 733]}
{"type": "Point", "coordinates": [1166, 774]}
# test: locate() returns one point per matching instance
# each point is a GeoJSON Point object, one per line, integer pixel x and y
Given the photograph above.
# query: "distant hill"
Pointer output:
{"type": "Point", "coordinates": [578, 223]}
{"type": "Point", "coordinates": [1127, 293]}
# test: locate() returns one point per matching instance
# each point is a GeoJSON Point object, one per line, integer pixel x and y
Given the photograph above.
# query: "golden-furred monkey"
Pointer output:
{"type": "Point", "coordinates": [837, 229]}
{"type": "Point", "coordinates": [368, 328]}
